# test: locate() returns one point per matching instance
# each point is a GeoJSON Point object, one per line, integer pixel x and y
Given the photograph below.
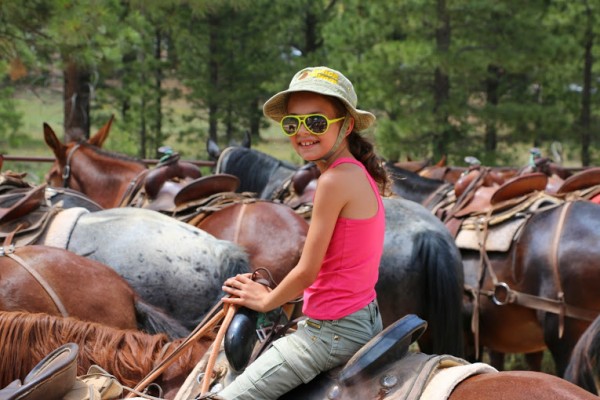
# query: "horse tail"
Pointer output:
{"type": "Point", "coordinates": [584, 363]}
{"type": "Point", "coordinates": [153, 320]}
{"type": "Point", "coordinates": [444, 290]}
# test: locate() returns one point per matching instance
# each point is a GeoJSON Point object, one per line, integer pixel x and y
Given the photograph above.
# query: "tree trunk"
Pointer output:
{"type": "Point", "coordinates": [76, 100]}
{"type": "Point", "coordinates": [255, 119]}
{"type": "Point", "coordinates": [213, 65]}
{"type": "Point", "coordinates": [586, 94]}
{"type": "Point", "coordinates": [441, 82]}
{"type": "Point", "coordinates": [491, 87]}
{"type": "Point", "coordinates": [158, 78]}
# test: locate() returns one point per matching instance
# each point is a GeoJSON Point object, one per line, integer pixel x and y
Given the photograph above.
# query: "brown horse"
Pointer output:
{"type": "Point", "coordinates": [76, 161]}
{"type": "Point", "coordinates": [518, 385]}
{"type": "Point", "coordinates": [541, 292]}
{"type": "Point", "coordinates": [584, 366]}
{"type": "Point", "coordinates": [55, 281]}
{"type": "Point", "coordinates": [272, 234]}
{"type": "Point", "coordinates": [128, 355]}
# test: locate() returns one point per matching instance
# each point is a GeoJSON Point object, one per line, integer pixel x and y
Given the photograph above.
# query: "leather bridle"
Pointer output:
{"type": "Point", "coordinates": [66, 175]}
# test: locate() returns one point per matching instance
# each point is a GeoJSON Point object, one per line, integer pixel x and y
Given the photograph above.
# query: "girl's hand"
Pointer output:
{"type": "Point", "coordinates": [245, 292]}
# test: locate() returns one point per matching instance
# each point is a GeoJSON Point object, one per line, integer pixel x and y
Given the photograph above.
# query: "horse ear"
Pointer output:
{"type": "Point", "coordinates": [52, 141]}
{"type": "Point", "coordinates": [100, 137]}
{"type": "Point", "coordinates": [213, 149]}
{"type": "Point", "coordinates": [247, 141]}
{"type": "Point", "coordinates": [442, 162]}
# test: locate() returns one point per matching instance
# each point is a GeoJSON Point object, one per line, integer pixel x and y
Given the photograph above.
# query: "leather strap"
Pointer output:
{"type": "Point", "coordinates": [43, 283]}
{"type": "Point", "coordinates": [66, 175]}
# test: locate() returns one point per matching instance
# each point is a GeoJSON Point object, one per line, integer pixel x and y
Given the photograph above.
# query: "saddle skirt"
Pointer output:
{"type": "Point", "coordinates": [496, 229]}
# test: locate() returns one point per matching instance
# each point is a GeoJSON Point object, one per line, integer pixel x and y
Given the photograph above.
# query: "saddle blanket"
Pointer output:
{"type": "Point", "coordinates": [446, 379]}
{"type": "Point", "coordinates": [499, 237]}
{"type": "Point", "coordinates": [432, 377]}
{"type": "Point", "coordinates": [59, 231]}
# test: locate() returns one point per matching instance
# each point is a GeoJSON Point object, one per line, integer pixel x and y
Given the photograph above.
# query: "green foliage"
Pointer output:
{"type": "Point", "coordinates": [178, 71]}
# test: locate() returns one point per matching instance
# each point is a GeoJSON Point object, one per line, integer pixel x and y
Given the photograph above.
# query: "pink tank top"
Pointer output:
{"type": "Point", "coordinates": [347, 278]}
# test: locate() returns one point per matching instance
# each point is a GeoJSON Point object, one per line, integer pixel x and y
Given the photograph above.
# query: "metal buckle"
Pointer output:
{"type": "Point", "coordinates": [504, 291]}
{"type": "Point", "coordinates": [4, 251]}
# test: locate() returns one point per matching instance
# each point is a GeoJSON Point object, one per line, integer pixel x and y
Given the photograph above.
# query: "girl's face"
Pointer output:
{"type": "Point", "coordinates": [309, 146]}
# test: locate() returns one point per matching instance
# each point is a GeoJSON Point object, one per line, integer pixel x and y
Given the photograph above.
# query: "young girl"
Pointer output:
{"type": "Point", "coordinates": [339, 264]}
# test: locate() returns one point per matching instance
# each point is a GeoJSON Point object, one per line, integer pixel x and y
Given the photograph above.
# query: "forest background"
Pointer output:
{"type": "Point", "coordinates": [483, 78]}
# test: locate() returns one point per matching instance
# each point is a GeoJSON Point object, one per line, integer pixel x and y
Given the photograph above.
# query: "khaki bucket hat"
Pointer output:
{"type": "Point", "coordinates": [325, 81]}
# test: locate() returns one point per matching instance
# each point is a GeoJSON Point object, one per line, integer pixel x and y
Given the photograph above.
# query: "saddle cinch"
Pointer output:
{"type": "Point", "coordinates": [383, 365]}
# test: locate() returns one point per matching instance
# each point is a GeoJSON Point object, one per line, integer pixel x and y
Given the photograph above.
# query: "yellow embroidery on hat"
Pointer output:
{"type": "Point", "coordinates": [326, 75]}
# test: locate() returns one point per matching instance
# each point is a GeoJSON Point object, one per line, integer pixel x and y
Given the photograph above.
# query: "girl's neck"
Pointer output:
{"type": "Point", "coordinates": [343, 152]}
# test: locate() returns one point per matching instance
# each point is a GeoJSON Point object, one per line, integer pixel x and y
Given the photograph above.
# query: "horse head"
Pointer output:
{"type": "Point", "coordinates": [59, 171]}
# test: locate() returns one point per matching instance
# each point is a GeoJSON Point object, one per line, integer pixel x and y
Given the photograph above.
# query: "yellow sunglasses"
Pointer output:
{"type": "Point", "coordinates": [317, 124]}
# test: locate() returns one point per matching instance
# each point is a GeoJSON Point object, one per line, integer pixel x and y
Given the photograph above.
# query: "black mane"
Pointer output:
{"type": "Point", "coordinates": [257, 171]}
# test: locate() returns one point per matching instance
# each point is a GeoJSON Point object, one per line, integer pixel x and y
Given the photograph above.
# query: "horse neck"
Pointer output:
{"type": "Point", "coordinates": [413, 186]}
{"type": "Point", "coordinates": [104, 179]}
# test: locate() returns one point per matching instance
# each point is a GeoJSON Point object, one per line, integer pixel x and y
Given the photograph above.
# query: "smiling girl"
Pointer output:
{"type": "Point", "coordinates": [339, 265]}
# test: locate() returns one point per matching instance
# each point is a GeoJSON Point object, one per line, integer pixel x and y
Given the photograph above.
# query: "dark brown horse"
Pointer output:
{"type": "Point", "coordinates": [584, 366]}
{"type": "Point", "coordinates": [129, 355]}
{"type": "Point", "coordinates": [55, 281]}
{"type": "Point", "coordinates": [540, 293]}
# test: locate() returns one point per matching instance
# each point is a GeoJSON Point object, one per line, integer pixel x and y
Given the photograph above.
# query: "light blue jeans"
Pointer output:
{"type": "Point", "coordinates": [316, 346]}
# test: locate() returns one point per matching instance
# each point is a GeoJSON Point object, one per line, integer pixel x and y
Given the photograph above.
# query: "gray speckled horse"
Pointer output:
{"type": "Point", "coordinates": [172, 265]}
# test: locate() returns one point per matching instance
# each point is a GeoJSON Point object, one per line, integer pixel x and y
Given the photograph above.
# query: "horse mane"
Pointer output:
{"type": "Point", "coordinates": [401, 173]}
{"type": "Point", "coordinates": [254, 168]}
{"type": "Point", "coordinates": [411, 185]}
{"type": "Point", "coordinates": [129, 355]}
{"type": "Point", "coordinates": [584, 364]}
{"type": "Point", "coordinates": [115, 156]}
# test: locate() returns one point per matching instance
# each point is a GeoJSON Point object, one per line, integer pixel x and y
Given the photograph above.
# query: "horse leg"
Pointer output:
{"type": "Point", "coordinates": [561, 347]}
{"type": "Point", "coordinates": [534, 360]}
{"type": "Point", "coordinates": [497, 360]}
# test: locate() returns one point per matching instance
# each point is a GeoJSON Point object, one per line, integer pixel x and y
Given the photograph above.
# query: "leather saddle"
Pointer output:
{"type": "Point", "coordinates": [25, 213]}
{"type": "Point", "coordinates": [52, 378]}
{"type": "Point", "coordinates": [174, 183]}
{"type": "Point", "coordinates": [483, 198]}
{"type": "Point", "coordinates": [11, 180]}
{"type": "Point", "coordinates": [389, 347]}
{"type": "Point", "coordinates": [20, 202]}
{"type": "Point", "coordinates": [305, 175]}
{"type": "Point", "coordinates": [582, 180]}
